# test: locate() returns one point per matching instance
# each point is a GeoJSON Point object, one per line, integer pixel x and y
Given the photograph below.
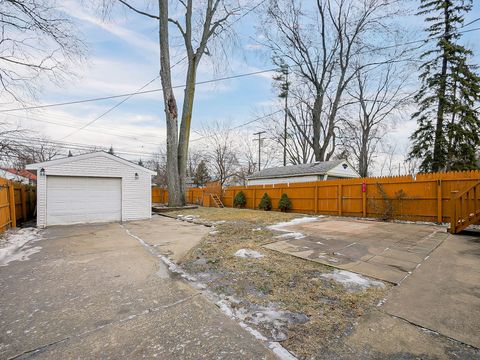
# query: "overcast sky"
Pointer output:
{"type": "Point", "coordinates": [123, 57]}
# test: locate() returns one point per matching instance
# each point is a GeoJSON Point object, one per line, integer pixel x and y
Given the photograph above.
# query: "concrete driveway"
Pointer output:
{"type": "Point", "coordinates": [94, 291]}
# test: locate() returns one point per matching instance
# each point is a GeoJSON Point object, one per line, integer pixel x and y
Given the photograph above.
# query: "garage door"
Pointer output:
{"type": "Point", "coordinates": [72, 200]}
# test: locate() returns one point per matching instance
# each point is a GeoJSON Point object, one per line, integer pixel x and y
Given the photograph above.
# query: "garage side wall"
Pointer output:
{"type": "Point", "coordinates": [136, 193]}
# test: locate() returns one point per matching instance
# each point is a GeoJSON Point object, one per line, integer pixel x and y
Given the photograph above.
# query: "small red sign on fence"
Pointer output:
{"type": "Point", "coordinates": [364, 187]}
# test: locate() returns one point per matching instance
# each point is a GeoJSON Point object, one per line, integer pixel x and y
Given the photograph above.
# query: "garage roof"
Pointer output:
{"type": "Point", "coordinates": [317, 168]}
{"type": "Point", "coordinates": [87, 156]}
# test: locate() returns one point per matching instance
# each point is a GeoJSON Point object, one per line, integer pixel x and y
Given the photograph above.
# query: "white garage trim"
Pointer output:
{"type": "Point", "coordinates": [134, 181]}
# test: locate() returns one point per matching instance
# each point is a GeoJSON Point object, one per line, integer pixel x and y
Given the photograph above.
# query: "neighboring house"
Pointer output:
{"type": "Point", "coordinates": [326, 170]}
{"type": "Point", "coordinates": [94, 187]}
{"type": "Point", "coordinates": [23, 176]}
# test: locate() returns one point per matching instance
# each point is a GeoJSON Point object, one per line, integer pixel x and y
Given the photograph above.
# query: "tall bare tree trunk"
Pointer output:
{"type": "Point", "coordinates": [176, 197]}
{"type": "Point", "coordinates": [186, 122]}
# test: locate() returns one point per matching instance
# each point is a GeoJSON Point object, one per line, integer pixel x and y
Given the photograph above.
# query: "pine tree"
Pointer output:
{"type": "Point", "coordinates": [201, 176]}
{"type": "Point", "coordinates": [448, 121]}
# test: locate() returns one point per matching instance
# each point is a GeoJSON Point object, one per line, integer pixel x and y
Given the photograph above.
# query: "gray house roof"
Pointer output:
{"type": "Point", "coordinates": [318, 168]}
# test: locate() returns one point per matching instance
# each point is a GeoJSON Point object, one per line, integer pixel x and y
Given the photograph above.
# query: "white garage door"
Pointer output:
{"type": "Point", "coordinates": [72, 200]}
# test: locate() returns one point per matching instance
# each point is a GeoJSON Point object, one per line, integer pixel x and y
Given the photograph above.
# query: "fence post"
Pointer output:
{"type": "Point", "coordinates": [254, 200]}
{"type": "Point", "coordinates": [24, 203]}
{"type": "Point", "coordinates": [364, 200]}
{"type": "Point", "coordinates": [439, 202]}
{"type": "Point", "coordinates": [316, 199]}
{"type": "Point", "coordinates": [453, 212]}
{"type": "Point", "coordinates": [11, 201]}
{"type": "Point", "coordinates": [339, 199]}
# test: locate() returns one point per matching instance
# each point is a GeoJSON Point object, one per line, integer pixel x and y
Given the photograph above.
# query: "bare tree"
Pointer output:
{"type": "Point", "coordinates": [10, 143]}
{"type": "Point", "coordinates": [379, 99]}
{"type": "Point", "coordinates": [299, 129]}
{"type": "Point", "coordinates": [221, 151]}
{"type": "Point", "coordinates": [39, 151]}
{"type": "Point", "coordinates": [158, 163]}
{"type": "Point", "coordinates": [320, 43]}
{"type": "Point", "coordinates": [202, 22]}
{"type": "Point", "coordinates": [37, 41]}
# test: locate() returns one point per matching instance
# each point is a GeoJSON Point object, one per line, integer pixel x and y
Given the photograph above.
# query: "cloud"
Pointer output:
{"type": "Point", "coordinates": [73, 9]}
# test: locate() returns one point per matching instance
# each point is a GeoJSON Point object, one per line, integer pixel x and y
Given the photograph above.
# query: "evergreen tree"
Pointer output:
{"type": "Point", "coordinates": [201, 176]}
{"type": "Point", "coordinates": [265, 203]}
{"type": "Point", "coordinates": [448, 119]}
{"type": "Point", "coordinates": [240, 200]}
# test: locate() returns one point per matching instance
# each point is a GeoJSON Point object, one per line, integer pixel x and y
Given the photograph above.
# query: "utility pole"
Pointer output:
{"type": "Point", "coordinates": [260, 139]}
{"type": "Point", "coordinates": [286, 118]}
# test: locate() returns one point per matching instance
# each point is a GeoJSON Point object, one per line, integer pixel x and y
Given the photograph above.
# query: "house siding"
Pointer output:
{"type": "Point", "coordinates": [284, 180]}
{"type": "Point", "coordinates": [136, 193]}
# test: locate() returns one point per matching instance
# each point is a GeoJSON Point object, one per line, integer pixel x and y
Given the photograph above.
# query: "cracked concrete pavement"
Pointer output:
{"type": "Point", "coordinates": [93, 291]}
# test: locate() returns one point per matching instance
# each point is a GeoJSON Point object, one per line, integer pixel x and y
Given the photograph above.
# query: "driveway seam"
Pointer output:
{"type": "Point", "coordinates": [426, 328]}
{"type": "Point", "coordinates": [101, 327]}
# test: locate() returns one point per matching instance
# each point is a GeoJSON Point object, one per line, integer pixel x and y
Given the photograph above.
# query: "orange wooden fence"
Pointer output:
{"type": "Point", "coordinates": [17, 203]}
{"type": "Point", "coordinates": [423, 198]}
{"type": "Point", "coordinates": [198, 196]}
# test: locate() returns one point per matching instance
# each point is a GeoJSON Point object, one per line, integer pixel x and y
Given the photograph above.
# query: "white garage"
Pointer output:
{"type": "Point", "coordinates": [89, 188]}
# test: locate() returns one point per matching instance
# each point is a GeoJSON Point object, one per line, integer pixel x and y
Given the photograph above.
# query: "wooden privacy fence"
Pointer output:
{"type": "Point", "coordinates": [17, 203]}
{"type": "Point", "coordinates": [198, 196]}
{"type": "Point", "coordinates": [425, 197]}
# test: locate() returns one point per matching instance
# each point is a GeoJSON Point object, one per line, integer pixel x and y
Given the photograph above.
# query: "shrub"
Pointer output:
{"type": "Point", "coordinates": [284, 204]}
{"type": "Point", "coordinates": [265, 203]}
{"type": "Point", "coordinates": [240, 200]}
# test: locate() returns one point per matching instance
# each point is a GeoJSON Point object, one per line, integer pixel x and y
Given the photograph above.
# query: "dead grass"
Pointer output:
{"type": "Point", "coordinates": [232, 214]}
{"type": "Point", "coordinates": [292, 284]}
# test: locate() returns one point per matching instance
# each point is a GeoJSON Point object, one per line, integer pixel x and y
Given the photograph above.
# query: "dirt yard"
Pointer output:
{"type": "Point", "coordinates": [288, 299]}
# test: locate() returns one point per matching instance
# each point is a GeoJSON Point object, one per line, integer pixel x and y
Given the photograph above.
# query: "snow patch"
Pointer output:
{"type": "Point", "coordinates": [18, 245]}
{"type": "Point", "coordinates": [292, 234]}
{"type": "Point", "coordinates": [247, 253]}
{"type": "Point", "coordinates": [274, 319]}
{"type": "Point", "coordinates": [188, 217]}
{"type": "Point", "coordinates": [298, 221]}
{"type": "Point", "coordinates": [352, 280]}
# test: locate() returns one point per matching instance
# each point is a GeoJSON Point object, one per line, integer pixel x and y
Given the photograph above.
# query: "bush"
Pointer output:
{"type": "Point", "coordinates": [240, 200]}
{"type": "Point", "coordinates": [284, 204]}
{"type": "Point", "coordinates": [265, 203]}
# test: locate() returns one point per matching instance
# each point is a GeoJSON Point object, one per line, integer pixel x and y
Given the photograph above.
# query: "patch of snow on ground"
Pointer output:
{"type": "Point", "coordinates": [350, 279]}
{"type": "Point", "coordinates": [188, 217]}
{"type": "Point", "coordinates": [292, 234]}
{"type": "Point", "coordinates": [295, 235]}
{"type": "Point", "coordinates": [274, 319]}
{"type": "Point", "coordinates": [18, 245]}
{"type": "Point", "coordinates": [246, 253]}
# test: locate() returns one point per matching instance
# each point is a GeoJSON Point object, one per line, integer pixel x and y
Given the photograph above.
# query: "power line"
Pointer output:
{"type": "Point", "coordinates": [108, 111]}
{"type": "Point", "coordinates": [72, 146]}
{"type": "Point", "coordinates": [140, 92]}
{"type": "Point", "coordinates": [91, 130]}
{"type": "Point", "coordinates": [144, 86]}
{"type": "Point", "coordinates": [205, 81]}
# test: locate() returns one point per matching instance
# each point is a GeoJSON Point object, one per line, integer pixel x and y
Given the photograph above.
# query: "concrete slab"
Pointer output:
{"type": "Point", "coordinates": [385, 251]}
{"type": "Point", "coordinates": [444, 293]}
{"type": "Point", "coordinates": [168, 236]}
{"type": "Point", "coordinates": [93, 291]}
{"type": "Point", "coordinates": [381, 336]}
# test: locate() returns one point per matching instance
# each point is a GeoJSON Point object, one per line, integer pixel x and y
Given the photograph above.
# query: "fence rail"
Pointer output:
{"type": "Point", "coordinates": [17, 203]}
{"type": "Point", "coordinates": [426, 197]}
